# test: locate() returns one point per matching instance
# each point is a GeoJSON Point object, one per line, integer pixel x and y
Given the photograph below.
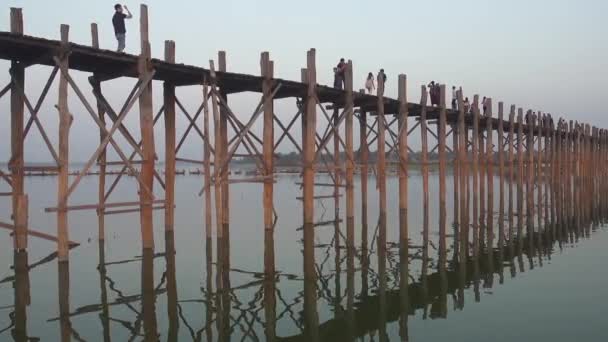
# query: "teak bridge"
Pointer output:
{"type": "Point", "coordinates": [528, 148]}
{"type": "Point", "coordinates": [558, 169]}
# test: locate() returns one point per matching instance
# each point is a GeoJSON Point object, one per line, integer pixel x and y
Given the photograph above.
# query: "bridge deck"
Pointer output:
{"type": "Point", "coordinates": [111, 64]}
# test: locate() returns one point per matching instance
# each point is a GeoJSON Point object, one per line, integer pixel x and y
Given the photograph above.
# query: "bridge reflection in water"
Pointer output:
{"type": "Point", "coordinates": [384, 283]}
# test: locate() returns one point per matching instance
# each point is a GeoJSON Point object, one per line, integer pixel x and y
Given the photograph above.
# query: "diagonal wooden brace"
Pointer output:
{"type": "Point", "coordinates": [108, 134]}
{"type": "Point", "coordinates": [33, 112]}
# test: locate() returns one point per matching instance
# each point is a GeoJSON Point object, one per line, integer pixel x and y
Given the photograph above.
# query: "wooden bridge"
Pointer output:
{"type": "Point", "coordinates": [562, 164]}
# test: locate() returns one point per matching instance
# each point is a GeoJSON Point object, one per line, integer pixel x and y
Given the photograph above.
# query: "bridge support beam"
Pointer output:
{"type": "Point", "coordinates": [16, 164]}
{"type": "Point", "coordinates": [147, 135]}
{"type": "Point", "coordinates": [169, 105]}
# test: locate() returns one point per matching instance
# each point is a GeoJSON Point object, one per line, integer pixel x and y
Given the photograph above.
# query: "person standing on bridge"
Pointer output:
{"type": "Point", "coordinates": [433, 93]}
{"type": "Point", "coordinates": [467, 106]}
{"type": "Point", "coordinates": [454, 99]}
{"type": "Point", "coordinates": [369, 83]}
{"type": "Point", "coordinates": [381, 78]}
{"type": "Point", "coordinates": [118, 21]}
{"type": "Point", "coordinates": [340, 70]}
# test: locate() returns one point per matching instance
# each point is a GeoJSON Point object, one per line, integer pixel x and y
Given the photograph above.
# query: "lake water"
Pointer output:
{"type": "Point", "coordinates": [551, 289]}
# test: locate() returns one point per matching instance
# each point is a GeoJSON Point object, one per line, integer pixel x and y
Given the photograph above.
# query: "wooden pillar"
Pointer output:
{"type": "Point", "coordinates": [16, 163]}
{"type": "Point", "coordinates": [482, 180]}
{"type": "Point", "coordinates": [169, 98]}
{"type": "Point", "coordinates": [425, 173]}
{"type": "Point", "coordinates": [217, 162]}
{"type": "Point", "coordinates": [501, 176]}
{"type": "Point", "coordinates": [267, 72]}
{"type": "Point", "coordinates": [337, 164]}
{"type": "Point", "coordinates": [101, 160]}
{"type": "Point", "coordinates": [309, 124]}
{"type": "Point", "coordinates": [539, 175]}
{"type": "Point", "coordinates": [207, 169]}
{"type": "Point", "coordinates": [475, 157]}
{"type": "Point", "coordinates": [511, 170]}
{"type": "Point", "coordinates": [350, 166]}
{"type": "Point", "coordinates": [268, 136]}
{"type": "Point", "coordinates": [546, 167]}
{"type": "Point", "coordinates": [146, 122]}
{"type": "Point", "coordinates": [530, 174]}
{"type": "Point", "coordinates": [381, 162]}
{"type": "Point", "coordinates": [403, 165]}
{"type": "Point", "coordinates": [363, 170]}
{"type": "Point", "coordinates": [308, 136]}
{"type": "Point", "coordinates": [65, 120]}
{"type": "Point", "coordinates": [520, 174]}
{"type": "Point", "coordinates": [442, 176]}
{"type": "Point", "coordinates": [463, 163]}
{"type": "Point", "coordinates": [490, 176]}
{"type": "Point", "coordinates": [224, 152]}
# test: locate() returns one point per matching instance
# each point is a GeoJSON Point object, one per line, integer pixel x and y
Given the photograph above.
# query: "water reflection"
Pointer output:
{"type": "Point", "coordinates": [344, 292]}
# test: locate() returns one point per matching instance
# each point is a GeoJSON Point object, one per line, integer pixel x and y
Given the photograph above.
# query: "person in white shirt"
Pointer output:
{"type": "Point", "coordinates": [369, 83]}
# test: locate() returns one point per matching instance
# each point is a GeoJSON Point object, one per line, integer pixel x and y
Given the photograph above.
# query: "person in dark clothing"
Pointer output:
{"type": "Point", "coordinates": [118, 21]}
{"type": "Point", "coordinates": [381, 78]}
{"type": "Point", "coordinates": [432, 93]}
{"type": "Point", "coordinates": [337, 79]}
{"type": "Point", "coordinates": [339, 71]}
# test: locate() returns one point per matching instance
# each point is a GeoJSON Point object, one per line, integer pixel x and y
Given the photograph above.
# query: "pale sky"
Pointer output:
{"type": "Point", "coordinates": [542, 55]}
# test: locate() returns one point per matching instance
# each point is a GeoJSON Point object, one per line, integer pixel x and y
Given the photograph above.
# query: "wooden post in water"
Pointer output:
{"type": "Point", "coordinates": [207, 171]}
{"type": "Point", "coordinates": [225, 186]}
{"type": "Point", "coordinates": [65, 121]}
{"type": "Point", "coordinates": [403, 165]}
{"type": "Point", "coordinates": [337, 163]}
{"type": "Point", "coordinates": [217, 162]}
{"type": "Point", "coordinates": [363, 155]}
{"type": "Point", "coordinates": [169, 104]}
{"type": "Point", "coordinates": [381, 162]}
{"type": "Point", "coordinates": [101, 160]}
{"type": "Point", "coordinates": [546, 167]}
{"type": "Point", "coordinates": [308, 142]}
{"type": "Point", "coordinates": [490, 176]}
{"type": "Point", "coordinates": [16, 164]}
{"type": "Point", "coordinates": [350, 166]}
{"type": "Point", "coordinates": [463, 163]}
{"type": "Point", "coordinates": [442, 176]}
{"type": "Point", "coordinates": [309, 124]}
{"type": "Point", "coordinates": [539, 176]}
{"type": "Point", "coordinates": [520, 175]}
{"type": "Point", "coordinates": [511, 170]}
{"type": "Point", "coordinates": [268, 140]}
{"type": "Point", "coordinates": [501, 174]}
{"type": "Point", "coordinates": [475, 156]}
{"type": "Point", "coordinates": [425, 173]}
{"type": "Point", "coordinates": [482, 180]}
{"type": "Point", "coordinates": [530, 174]}
{"type": "Point", "coordinates": [147, 135]}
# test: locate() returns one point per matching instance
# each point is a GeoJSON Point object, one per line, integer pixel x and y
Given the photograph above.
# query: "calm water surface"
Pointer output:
{"type": "Point", "coordinates": [553, 293]}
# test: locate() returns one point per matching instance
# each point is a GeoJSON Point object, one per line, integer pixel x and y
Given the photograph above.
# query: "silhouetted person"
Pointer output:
{"type": "Point", "coordinates": [434, 93]}
{"type": "Point", "coordinates": [340, 71]}
{"type": "Point", "coordinates": [484, 103]}
{"type": "Point", "coordinates": [454, 99]}
{"type": "Point", "coordinates": [118, 21]}
{"type": "Point", "coordinates": [467, 106]}
{"type": "Point", "coordinates": [337, 79]}
{"type": "Point", "coordinates": [369, 83]}
{"type": "Point", "coordinates": [381, 78]}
